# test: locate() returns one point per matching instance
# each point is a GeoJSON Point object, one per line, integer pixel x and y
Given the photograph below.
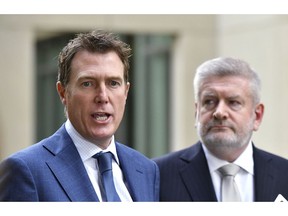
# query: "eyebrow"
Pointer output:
{"type": "Point", "coordinates": [209, 94]}
{"type": "Point", "coordinates": [88, 77]}
{"type": "Point", "coordinates": [213, 94]}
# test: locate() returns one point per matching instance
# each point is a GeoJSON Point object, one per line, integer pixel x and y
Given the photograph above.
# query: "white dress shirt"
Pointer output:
{"type": "Point", "coordinates": [244, 178]}
{"type": "Point", "coordinates": [86, 150]}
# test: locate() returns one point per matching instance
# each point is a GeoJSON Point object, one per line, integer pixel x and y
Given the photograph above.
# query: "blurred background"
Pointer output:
{"type": "Point", "coordinates": [167, 49]}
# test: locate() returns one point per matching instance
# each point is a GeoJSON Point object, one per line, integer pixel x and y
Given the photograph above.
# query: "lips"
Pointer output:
{"type": "Point", "coordinates": [101, 116]}
{"type": "Point", "coordinates": [219, 127]}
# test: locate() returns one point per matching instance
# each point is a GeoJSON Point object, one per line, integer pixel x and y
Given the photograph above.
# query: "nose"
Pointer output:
{"type": "Point", "coordinates": [101, 94]}
{"type": "Point", "coordinates": [220, 111]}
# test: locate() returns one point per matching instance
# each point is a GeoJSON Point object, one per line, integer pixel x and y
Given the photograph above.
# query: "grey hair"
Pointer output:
{"type": "Point", "coordinates": [227, 66]}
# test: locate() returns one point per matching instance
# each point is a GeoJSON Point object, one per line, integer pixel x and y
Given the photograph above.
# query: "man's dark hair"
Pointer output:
{"type": "Point", "coordinates": [96, 41]}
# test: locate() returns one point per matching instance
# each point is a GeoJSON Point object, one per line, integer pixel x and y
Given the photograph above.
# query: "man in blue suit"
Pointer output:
{"type": "Point", "coordinates": [228, 110]}
{"type": "Point", "coordinates": [93, 87]}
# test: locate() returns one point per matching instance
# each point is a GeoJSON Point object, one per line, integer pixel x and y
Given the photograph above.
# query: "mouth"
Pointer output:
{"type": "Point", "coordinates": [101, 116]}
{"type": "Point", "coordinates": [219, 128]}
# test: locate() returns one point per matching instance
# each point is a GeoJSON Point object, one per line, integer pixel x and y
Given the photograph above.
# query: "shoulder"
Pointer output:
{"type": "Point", "coordinates": [27, 154]}
{"type": "Point", "coordinates": [185, 155]}
{"type": "Point", "coordinates": [33, 154]}
{"type": "Point", "coordinates": [271, 158]}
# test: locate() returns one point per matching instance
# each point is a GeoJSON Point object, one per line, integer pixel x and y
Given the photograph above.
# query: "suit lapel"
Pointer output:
{"type": "Point", "coordinates": [69, 169]}
{"type": "Point", "coordinates": [195, 174]}
{"type": "Point", "coordinates": [133, 173]}
{"type": "Point", "coordinates": [263, 174]}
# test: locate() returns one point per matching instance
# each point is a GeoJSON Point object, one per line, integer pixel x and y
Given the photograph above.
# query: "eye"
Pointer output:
{"type": "Point", "coordinates": [87, 84]}
{"type": "Point", "coordinates": [234, 104]}
{"type": "Point", "coordinates": [114, 83]}
{"type": "Point", "coordinates": [209, 103]}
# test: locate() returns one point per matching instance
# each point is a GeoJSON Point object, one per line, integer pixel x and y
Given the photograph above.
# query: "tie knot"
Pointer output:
{"type": "Point", "coordinates": [229, 169]}
{"type": "Point", "coordinates": [104, 161]}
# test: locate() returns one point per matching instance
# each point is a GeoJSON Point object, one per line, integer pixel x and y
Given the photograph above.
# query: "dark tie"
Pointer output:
{"type": "Point", "coordinates": [105, 167]}
{"type": "Point", "coordinates": [230, 191]}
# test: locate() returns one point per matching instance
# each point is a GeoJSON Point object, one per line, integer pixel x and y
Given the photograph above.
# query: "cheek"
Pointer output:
{"type": "Point", "coordinates": [203, 116]}
{"type": "Point", "coordinates": [120, 104]}
{"type": "Point", "coordinates": [75, 101]}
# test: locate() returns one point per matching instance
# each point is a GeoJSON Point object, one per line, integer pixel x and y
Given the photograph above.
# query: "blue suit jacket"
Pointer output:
{"type": "Point", "coordinates": [185, 176]}
{"type": "Point", "coordinates": [52, 170]}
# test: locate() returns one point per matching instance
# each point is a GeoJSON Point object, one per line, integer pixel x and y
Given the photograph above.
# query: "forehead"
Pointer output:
{"type": "Point", "coordinates": [85, 62]}
{"type": "Point", "coordinates": [87, 57]}
{"type": "Point", "coordinates": [227, 85]}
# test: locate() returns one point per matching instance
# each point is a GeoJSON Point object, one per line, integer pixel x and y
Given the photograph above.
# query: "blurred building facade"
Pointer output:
{"type": "Point", "coordinates": [166, 51]}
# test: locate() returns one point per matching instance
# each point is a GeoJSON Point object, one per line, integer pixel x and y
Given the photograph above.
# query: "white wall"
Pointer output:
{"type": "Point", "coordinates": [16, 95]}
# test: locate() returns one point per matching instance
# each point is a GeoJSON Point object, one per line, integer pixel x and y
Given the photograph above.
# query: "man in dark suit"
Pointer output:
{"type": "Point", "coordinates": [93, 87]}
{"type": "Point", "coordinates": [228, 110]}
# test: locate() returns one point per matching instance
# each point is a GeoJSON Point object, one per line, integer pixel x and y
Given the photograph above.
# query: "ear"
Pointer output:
{"type": "Point", "coordinates": [61, 92]}
{"type": "Point", "coordinates": [259, 113]}
{"type": "Point", "coordinates": [196, 114]}
{"type": "Point", "coordinates": [127, 89]}
{"type": "Point", "coordinates": [196, 106]}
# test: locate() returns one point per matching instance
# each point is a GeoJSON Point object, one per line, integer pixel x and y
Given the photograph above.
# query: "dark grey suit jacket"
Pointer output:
{"type": "Point", "coordinates": [184, 176]}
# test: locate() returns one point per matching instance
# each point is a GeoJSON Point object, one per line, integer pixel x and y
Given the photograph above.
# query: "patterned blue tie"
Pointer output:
{"type": "Point", "coordinates": [105, 167]}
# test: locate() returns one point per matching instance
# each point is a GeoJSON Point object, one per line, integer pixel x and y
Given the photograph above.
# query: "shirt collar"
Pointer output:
{"type": "Point", "coordinates": [245, 160]}
{"type": "Point", "coordinates": [86, 148]}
